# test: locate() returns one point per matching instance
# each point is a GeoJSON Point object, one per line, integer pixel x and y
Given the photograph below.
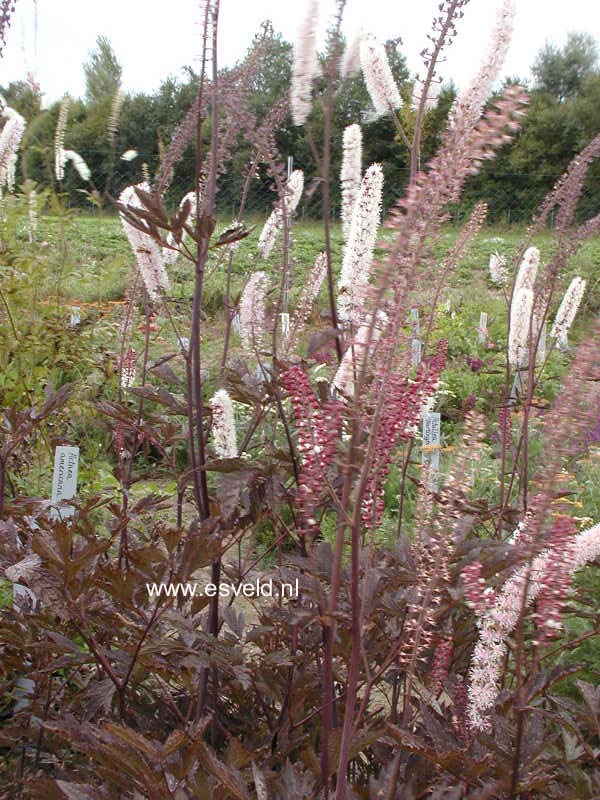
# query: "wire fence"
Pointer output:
{"type": "Point", "coordinates": [512, 197]}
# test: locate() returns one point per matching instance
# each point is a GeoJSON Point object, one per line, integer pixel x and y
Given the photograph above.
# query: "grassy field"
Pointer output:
{"type": "Point", "coordinates": [86, 261]}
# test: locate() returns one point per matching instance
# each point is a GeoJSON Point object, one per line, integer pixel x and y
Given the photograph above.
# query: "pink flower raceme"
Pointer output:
{"type": "Point", "coordinates": [317, 428]}
{"type": "Point", "coordinates": [305, 301]}
{"type": "Point", "coordinates": [520, 321]}
{"type": "Point", "coordinates": [441, 663]}
{"type": "Point", "coordinates": [148, 254]}
{"type": "Point", "coordinates": [528, 269]}
{"type": "Point", "coordinates": [460, 718]}
{"type": "Point", "coordinates": [351, 60]}
{"type": "Point", "coordinates": [404, 401]}
{"type": "Point", "coordinates": [360, 245]}
{"type": "Point", "coordinates": [59, 139]}
{"type": "Point", "coordinates": [568, 309]}
{"type": "Point", "coordinates": [223, 430]}
{"type": "Point", "coordinates": [498, 272]}
{"type": "Point", "coordinates": [10, 139]}
{"type": "Point", "coordinates": [287, 206]}
{"type": "Point", "coordinates": [128, 369]}
{"type": "Point", "coordinates": [253, 315]}
{"type": "Point", "coordinates": [538, 580]}
{"type": "Point", "coordinates": [305, 67]}
{"type": "Point", "coordinates": [351, 174]}
{"type": "Point", "coordinates": [469, 104]}
{"type": "Point", "coordinates": [378, 76]}
{"type": "Point", "coordinates": [556, 579]}
{"type": "Point", "coordinates": [476, 594]}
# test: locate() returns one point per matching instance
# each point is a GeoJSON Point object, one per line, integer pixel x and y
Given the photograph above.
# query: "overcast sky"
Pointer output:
{"type": "Point", "coordinates": [153, 40]}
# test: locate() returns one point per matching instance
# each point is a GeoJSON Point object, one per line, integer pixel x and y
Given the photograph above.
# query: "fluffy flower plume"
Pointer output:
{"type": "Point", "coordinates": [528, 269]}
{"type": "Point", "coordinates": [518, 336]}
{"type": "Point", "coordinates": [147, 253]}
{"type": "Point", "coordinates": [223, 427]}
{"type": "Point", "coordinates": [568, 308]}
{"type": "Point", "coordinates": [305, 302]}
{"type": "Point", "coordinates": [129, 155]}
{"type": "Point", "coordinates": [498, 623]}
{"type": "Point", "coordinates": [358, 254]}
{"type": "Point", "coordinates": [10, 139]}
{"type": "Point", "coordinates": [351, 58]}
{"type": "Point", "coordinates": [317, 428]}
{"type": "Point", "coordinates": [59, 139]}
{"type": "Point", "coordinates": [498, 272]}
{"type": "Point", "coordinates": [305, 65]}
{"type": "Point", "coordinates": [170, 255]}
{"type": "Point", "coordinates": [351, 174]}
{"type": "Point", "coordinates": [378, 76]}
{"type": "Point", "coordinates": [253, 315]}
{"type": "Point", "coordinates": [287, 206]}
{"type": "Point", "coordinates": [82, 168]}
{"type": "Point", "coordinates": [470, 103]}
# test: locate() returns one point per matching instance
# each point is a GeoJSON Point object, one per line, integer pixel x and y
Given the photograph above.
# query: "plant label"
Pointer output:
{"type": "Point", "coordinates": [64, 481]}
{"type": "Point", "coordinates": [414, 315]}
{"type": "Point", "coordinates": [416, 352]}
{"type": "Point", "coordinates": [517, 389]}
{"type": "Point", "coordinates": [430, 451]}
{"type": "Point", "coordinates": [75, 317]}
{"type": "Point", "coordinates": [285, 325]}
{"type": "Point", "coordinates": [482, 330]}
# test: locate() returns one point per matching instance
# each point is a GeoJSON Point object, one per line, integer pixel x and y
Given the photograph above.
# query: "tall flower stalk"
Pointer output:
{"type": "Point", "coordinates": [378, 76]}
{"type": "Point", "coordinates": [147, 252]}
{"type": "Point", "coordinates": [223, 425]}
{"type": "Point", "coordinates": [305, 65]}
{"type": "Point", "coordinates": [351, 174]}
{"type": "Point", "coordinates": [284, 209]}
{"type": "Point", "coordinates": [358, 253]}
{"type": "Point", "coordinates": [567, 311]}
{"type": "Point", "coordinates": [10, 139]}
{"type": "Point", "coordinates": [59, 139]}
{"type": "Point", "coordinates": [522, 589]}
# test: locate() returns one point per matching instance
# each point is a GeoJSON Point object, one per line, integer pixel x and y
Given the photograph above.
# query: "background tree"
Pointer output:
{"type": "Point", "coordinates": [24, 97]}
{"type": "Point", "coordinates": [102, 72]}
{"type": "Point", "coordinates": [562, 72]}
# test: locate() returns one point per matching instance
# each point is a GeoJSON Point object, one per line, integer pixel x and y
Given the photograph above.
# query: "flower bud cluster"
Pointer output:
{"type": "Point", "coordinates": [317, 428]}
{"type": "Point", "coordinates": [555, 580]}
{"type": "Point", "coordinates": [476, 594]}
{"type": "Point", "coordinates": [404, 401]}
{"type": "Point", "coordinates": [441, 663]}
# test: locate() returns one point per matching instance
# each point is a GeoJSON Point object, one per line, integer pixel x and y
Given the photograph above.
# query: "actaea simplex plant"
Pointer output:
{"type": "Point", "coordinates": [411, 670]}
